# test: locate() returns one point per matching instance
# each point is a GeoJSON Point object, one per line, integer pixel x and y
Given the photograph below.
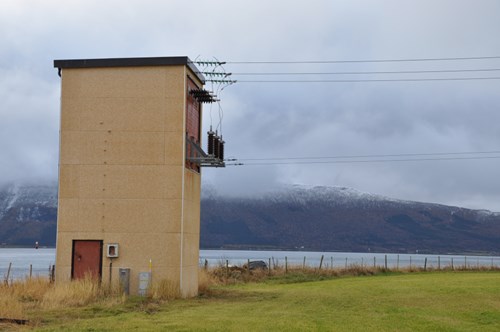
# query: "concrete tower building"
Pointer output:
{"type": "Point", "coordinates": [129, 170]}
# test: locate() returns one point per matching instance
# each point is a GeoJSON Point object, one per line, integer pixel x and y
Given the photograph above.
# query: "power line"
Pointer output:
{"type": "Point", "coordinates": [402, 157]}
{"type": "Point", "coordinates": [372, 80]}
{"type": "Point", "coordinates": [366, 61]}
{"type": "Point", "coordinates": [359, 161]}
{"type": "Point", "coordinates": [374, 155]}
{"type": "Point", "coordinates": [367, 72]}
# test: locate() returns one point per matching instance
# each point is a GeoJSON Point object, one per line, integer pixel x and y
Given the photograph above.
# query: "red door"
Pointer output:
{"type": "Point", "coordinates": [87, 259]}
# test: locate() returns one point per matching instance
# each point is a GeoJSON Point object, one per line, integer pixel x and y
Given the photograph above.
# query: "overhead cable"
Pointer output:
{"type": "Point", "coordinates": [373, 80]}
{"type": "Point", "coordinates": [366, 61]}
{"type": "Point", "coordinates": [359, 161]}
{"type": "Point", "coordinates": [376, 155]}
{"type": "Point", "coordinates": [368, 72]}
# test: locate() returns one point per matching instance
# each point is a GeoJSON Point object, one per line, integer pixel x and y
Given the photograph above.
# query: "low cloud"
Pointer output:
{"type": "Point", "coordinates": [265, 120]}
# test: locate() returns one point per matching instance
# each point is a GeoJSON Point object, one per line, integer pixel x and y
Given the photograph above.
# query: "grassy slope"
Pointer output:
{"type": "Point", "coordinates": [411, 302]}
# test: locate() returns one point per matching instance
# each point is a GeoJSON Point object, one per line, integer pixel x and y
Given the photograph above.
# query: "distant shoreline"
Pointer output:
{"type": "Point", "coordinates": [25, 247]}
{"type": "Point", "coordinates": [236, 248]}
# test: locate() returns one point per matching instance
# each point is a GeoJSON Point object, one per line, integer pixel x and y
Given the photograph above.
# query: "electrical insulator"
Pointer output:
{"type": "Point", "coordinates": [216, 147]}
{"type": "Point", "coordinates": [211, 138]}
{"type": "Point", "coordinates": [221, 150]}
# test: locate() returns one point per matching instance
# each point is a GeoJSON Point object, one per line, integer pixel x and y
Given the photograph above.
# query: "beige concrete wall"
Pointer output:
{"type": "Point", "coordinates": [122, 177]}
{"type": "Point", "coordinates": [191, 232]}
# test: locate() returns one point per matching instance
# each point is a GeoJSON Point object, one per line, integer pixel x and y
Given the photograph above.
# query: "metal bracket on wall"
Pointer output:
{"type": "Point", "coordinates": [203, 96]}
{"type": "Point", "coordinates": [195, 154]}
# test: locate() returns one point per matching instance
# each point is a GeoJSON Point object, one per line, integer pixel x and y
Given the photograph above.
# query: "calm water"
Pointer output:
{"type": "Point", "coordinates": [42, 259]}
{"type": "Point", "coordinates": [21, 258]}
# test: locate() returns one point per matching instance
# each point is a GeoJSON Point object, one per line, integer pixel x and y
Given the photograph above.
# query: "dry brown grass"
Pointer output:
{"type": "Point", "coordinates": [232, 275]}
{"type": "Point", "coordinates": [80, 292]}
{"type": "Point", "coordinates": [20, 295]}
{"type": "Point", "coordinates": [222, 275]}
{"type": "Point", "coordinates": [206, 280]}
{"type": "Point", "coordinates": [10, 307]}
{"type": "Point", "coordinates": [164, 290]}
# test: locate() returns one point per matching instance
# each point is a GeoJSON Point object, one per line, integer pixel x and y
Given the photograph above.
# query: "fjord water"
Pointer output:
{"type": "Point", "coordinates": [42, 259]}
{"type": "Point", "coordinates": [21, 259]}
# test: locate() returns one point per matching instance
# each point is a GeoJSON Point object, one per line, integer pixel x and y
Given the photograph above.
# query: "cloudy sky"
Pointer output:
{"type": "Point", "coordinates": [284, 120]}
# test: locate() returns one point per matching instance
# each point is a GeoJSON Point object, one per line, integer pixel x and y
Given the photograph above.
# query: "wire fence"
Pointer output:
{"type": "Point", "coordinates": [386, 261]}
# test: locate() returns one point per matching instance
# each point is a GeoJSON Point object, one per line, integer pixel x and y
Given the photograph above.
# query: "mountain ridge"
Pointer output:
{"type": "Point", "coordinates": [294, 217]}
{"type": "Point", "coordinates": [28, 214]}
{"type": "Point", "coordinates": [339, 218]}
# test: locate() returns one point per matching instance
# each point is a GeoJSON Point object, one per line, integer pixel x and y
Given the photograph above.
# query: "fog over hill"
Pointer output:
{"type": "Point", "coordinates": [294, 217]}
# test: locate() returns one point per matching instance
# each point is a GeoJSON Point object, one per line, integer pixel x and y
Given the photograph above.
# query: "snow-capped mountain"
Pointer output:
{"type": "Point", "coordinates": [335, 196]}
{"type": "Point", "coordinates": [338, 218]}
{"type": "Point", "coordinates": [28, 214]}
{"type": "Point", "coordinates": [28, 198]}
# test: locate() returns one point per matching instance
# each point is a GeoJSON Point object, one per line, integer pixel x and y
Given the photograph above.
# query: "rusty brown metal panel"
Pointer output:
{"type": "Point", "coordinates": [193, 120]}
{"type": "Point", "coordinates": [87, 259]}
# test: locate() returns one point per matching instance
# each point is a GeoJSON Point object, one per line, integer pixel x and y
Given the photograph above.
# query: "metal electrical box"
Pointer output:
{"type": "Point", "coordinates": [144, 282]}
{"type": "Point", "coordinates": [125, 280]}
{"type": "Point", "coordinates": [112, 250]}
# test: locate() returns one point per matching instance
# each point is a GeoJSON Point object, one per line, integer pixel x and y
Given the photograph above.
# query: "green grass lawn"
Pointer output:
{"type": "Point", "coordinates": [436, 301]}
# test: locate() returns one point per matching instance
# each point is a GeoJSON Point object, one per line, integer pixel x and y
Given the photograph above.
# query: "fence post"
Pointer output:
{"type": "Point", "coordinates": [452, 263]}
{"type": "Point", "coordinates": [31, 270]}
{"type": "Point", "coordinates": [286, 265]}
{"type": "Point", "coordinates": [397, 264]}
{"type": "Point", "coordinates": [374, 263]}
{"type": "Point", "coordinates": [386, 262]}
{"type": "Point", "coordinates": [53, 274]}
{"type": "Point", "coordinates": [269, 266]}
{"type": "Point", "coordinates": [425, 264]}
{"type": "Point", "coordinates": [304, 263]}
{"type": "Point", "coordinates": [8, 274]}
{"type": "Point", "coordinates": [321, 261]}
{"type": "Point", "coordinates": [346, 263]}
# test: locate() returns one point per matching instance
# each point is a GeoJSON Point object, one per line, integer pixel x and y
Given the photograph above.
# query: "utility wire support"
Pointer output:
{"type": "Point", "coordinates": [210, 63]}
{"type": "Point", "coordinates": [218, 78]}
{"type": "Point", "coordinates": [221, 81]}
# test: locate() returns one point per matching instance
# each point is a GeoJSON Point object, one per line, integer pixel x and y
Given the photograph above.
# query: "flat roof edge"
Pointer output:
{"type": "Point", "coordinates": [129, 62]}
